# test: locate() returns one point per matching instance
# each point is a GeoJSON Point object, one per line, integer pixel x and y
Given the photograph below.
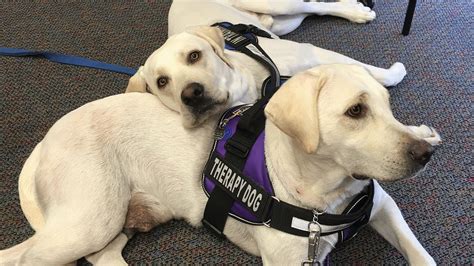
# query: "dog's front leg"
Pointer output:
{"type": "Point", "coordinates": [388, 221]}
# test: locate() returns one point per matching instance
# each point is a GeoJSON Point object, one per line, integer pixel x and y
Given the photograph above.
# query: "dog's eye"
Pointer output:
{"type": "Point", "coordinates": [162, 82]}
{"type": "Point", "coordinates": [194, 56]}
{"type": "Point", "coordinates": [356, 111]}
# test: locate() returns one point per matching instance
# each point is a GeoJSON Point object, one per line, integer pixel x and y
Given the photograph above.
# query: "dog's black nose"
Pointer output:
{"type": "Point", "coordinates": [420, 151]}
{"type": "Point", "coordinates": [193, 94]}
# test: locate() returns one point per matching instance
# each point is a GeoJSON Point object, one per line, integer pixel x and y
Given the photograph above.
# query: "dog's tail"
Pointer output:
{"type": "Point", "coordinates": [12, 256]}
{"type": "Point", "coordinates": [27, 190]}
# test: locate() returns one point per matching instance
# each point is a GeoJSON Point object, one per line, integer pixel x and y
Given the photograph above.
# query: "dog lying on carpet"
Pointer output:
{"type": "Point", "coordinates": [77, 185]}
{"type": "Point", "coordinates": [193, 74]}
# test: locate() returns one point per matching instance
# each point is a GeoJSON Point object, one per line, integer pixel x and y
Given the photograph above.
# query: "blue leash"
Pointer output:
{"type": "Point", "coordinates": [68, 60]}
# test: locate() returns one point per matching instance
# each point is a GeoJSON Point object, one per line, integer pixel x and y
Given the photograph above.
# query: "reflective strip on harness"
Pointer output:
{"type": "Point", "coordinates": [302, 225]}
{"type": "Point", "coordinates": [240, 187]}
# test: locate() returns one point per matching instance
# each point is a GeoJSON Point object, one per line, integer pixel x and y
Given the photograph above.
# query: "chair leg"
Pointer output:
{"type": "Point", "coordinates": [409, 17]}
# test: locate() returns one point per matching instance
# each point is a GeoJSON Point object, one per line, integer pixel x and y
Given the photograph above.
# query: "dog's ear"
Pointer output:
{"type": "Point", "coordinates": [294, 108]}
{"type": "Point", "coordinates": [214, 37]}
{"type": "Point", "coordinates": [137, 83]}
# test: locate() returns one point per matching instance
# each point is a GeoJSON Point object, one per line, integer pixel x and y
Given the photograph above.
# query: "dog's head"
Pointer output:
{"type": "Point", "coordinates": [189, 73]}
{"type": "Point", "coordinates": [341, 113]}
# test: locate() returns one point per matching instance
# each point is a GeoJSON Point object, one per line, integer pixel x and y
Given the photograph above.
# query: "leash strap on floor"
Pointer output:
{"type": "Point", "coordinates": [68, 60]}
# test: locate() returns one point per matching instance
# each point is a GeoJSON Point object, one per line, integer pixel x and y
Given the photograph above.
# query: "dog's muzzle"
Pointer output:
{"type": "Point", "coordinates": [420, 152]}
{"type": "Point", "coordinates": [194, 97]}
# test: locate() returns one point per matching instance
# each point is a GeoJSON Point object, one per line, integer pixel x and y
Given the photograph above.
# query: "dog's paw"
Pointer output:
{"type": "Point", "coordinates": [395, 75]}
{"type": "Point", "coordinates": [266, 20]}
{"type": "Point", "coordinates": [423, 259]}
{"type": "Point", "coordinates": [358, 13]}
{"type": "Point", "coordinates": [427, 133]}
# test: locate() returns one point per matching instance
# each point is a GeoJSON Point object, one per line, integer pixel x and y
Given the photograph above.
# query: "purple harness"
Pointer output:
{"type": "Point", "coordinates": [255, 168]}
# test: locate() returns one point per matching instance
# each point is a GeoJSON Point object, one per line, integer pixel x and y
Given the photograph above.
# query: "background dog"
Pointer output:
{"type": "Point", "coordinates": [79, 182]}
{"type": "Point", "coordinates": [278, 17]}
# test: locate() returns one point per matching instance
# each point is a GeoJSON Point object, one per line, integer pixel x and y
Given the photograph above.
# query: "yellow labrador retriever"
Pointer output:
{"type": "Point", "coordinates": [326, 127]}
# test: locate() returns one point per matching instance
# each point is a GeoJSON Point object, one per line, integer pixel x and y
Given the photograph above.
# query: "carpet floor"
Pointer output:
{"type": "Point", "coordinates": [437, 91]}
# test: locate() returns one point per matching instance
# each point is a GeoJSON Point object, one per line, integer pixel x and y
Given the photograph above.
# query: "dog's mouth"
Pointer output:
{"type": "Point", "coordinates": [360, 177]}
{"type": "Point", "coordinates": [408, 174]}
{"type": "Point", "coordinates": [208, 105]}
{"type": "Point", "coordinates": [199, 114]}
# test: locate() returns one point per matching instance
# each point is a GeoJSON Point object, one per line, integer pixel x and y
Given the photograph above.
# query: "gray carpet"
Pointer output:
{"type": "Point", "coordinates": [437, 91]}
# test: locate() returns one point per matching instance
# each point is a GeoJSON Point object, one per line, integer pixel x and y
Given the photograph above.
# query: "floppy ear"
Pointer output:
{"type": "Point", "coordinates": [294, 108]}
{"type": "Point", "coordinates": [214, 37]}
{"type": "Point", "coordinates": [137, 82]}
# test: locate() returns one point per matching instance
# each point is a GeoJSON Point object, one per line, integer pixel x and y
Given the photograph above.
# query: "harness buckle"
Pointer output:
{"type": "Point", "coordinates": [257, 31]}
{"type": "Point", "coordinates": [237, 148]}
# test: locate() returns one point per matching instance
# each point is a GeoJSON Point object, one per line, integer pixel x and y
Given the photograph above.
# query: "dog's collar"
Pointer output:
{"type": "Point", "coordinates": [243, 190]}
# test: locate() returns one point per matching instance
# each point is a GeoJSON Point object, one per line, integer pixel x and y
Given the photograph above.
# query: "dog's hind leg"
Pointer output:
{"type": "Point", "coordinates": [81, 218]}
{"type": "Point", "coordinates": [307, 56]}
{"type": "Point", "coordinates": [387, 77]}
{"type": "Point", "coordinates": [27, 190]}
{"type": "Point", "coordinates": [11, 255]}
{"type": "Point", "coordinates": [285, 24]}
{"type": "Point", "coordinates": [111, 254]}
{"type": "Point", "coordinates": [68, 236]}
{"type": "Point", "coordinates": [144, 213]}
{"type": "Point", "coordinates": [350, 10]}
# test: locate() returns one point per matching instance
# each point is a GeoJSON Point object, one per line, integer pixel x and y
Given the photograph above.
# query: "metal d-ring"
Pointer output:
{"type": "Point", "coordinates": [316, 213]}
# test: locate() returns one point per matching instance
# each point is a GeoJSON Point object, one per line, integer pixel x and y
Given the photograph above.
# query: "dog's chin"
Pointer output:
{"type": "Point", "coordinates": [194, 117]}
{"type": "Point", "coordinates": [391, 177]}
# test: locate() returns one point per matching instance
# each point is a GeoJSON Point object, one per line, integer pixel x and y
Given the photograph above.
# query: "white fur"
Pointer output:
{"type": "Point", "coordinates": [94, 159]}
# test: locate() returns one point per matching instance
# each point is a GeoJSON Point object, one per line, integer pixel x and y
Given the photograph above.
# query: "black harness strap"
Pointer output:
{"type": "Point", "coordinates": [356, 214]}
{"type": "Point", "coordinates": [213, 214]}
{"type": "Point", "coordinates": [241, 38]}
